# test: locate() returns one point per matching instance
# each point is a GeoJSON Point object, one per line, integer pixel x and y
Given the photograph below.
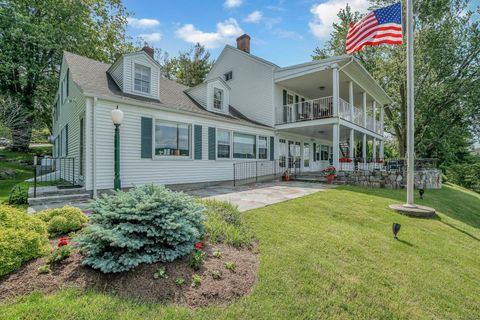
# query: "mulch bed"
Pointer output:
{"type": "Point", "coordinates": [139, 283]}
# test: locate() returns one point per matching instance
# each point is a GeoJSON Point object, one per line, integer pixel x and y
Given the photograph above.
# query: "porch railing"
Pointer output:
{"type": "Point", "coordinates": [53, 171]}
{"type": "Point", "coordinates": [255, 171]}
{"type": "Point", "coordinates": [399, 164]}
{"type": "Point", "coordinates": [322, 108]}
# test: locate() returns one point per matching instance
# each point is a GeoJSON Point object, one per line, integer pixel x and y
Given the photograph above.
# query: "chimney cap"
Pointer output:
{"type": "Point", "coordinates": [243, 36]}
{"type": "Point", "coordinates": [243, 43]}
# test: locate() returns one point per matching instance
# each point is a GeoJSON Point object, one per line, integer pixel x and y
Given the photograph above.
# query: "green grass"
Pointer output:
{"type": "Point", "coordinates": [23, 172]}
{"type": "Point", "coordinates": [330, 255]}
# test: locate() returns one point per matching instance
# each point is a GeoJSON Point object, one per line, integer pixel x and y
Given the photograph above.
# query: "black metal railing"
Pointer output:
{"type": "Point", "coordinates": [395, 164]}
{"type": "Point", "coordinates": [53, 171]}
{"type": "Point", "coordinates": [254, 171]}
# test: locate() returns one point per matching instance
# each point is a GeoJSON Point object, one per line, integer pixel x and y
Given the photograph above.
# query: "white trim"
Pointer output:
{"type": "Point", "coordinates": [191, 143]}
{"type": "Point", "coordinates": [139, 92]}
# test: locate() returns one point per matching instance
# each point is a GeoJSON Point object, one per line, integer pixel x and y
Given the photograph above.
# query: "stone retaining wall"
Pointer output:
{"type": "Point", "coordinates": [428, 179]}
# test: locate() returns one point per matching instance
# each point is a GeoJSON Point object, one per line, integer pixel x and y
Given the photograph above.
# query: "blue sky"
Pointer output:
{"type": "Point", "coordinates": [284, 32]}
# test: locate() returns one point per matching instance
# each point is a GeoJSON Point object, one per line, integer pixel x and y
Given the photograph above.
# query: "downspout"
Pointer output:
{"type": "Point", "coordinates": [94, 164]}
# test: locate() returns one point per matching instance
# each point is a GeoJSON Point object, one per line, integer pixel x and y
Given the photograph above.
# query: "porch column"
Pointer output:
{"type": "Point", "coordinates": [364, 148]}
{"type": "Point", "coordinates": [374, 149]}
{"type": "Point", "coordinates": [374, 106]}
{"type": "Point", "coordinates": [336, 91]}
{"type": "Point", "coordinates": [364, 105]}
{"type": "Point", "coordinates": [351, 153]}
{"type": "Point", "coordinates": [350, 100]}
{"type": "Point", "coordinates": [382, 111]}
{"type": "Point", "coordinates": [381, 152]}
{"type": "Point", "coordinates": [336, 144]}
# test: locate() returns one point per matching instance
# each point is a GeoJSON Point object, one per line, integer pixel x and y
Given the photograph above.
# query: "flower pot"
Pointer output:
{"type": "Point", "coordinates": [330, 178]}
{"type": "Point", "coordinates": [286, 178]}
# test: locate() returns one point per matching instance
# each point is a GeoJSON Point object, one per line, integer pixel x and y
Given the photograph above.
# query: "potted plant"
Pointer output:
{"type": "Point", "coordinates": [345, 160]}
{"type": "Point", "coordinates": [330, 173]}
{"type": "Point", "coordinates": [286, 175]}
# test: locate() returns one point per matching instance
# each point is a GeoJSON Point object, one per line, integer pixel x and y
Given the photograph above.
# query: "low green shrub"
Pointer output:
{"type": "Point", "coordinates": [19, 194]}
{"type": "Point", "coordinates": [43, 269]}
{"type": "Point", "coordinates": [59, 254]}
{"type": "Point", "coordinates": [62, 220]}
{"type": "Point", "coordinates": [144, 225]}
{"type": "Point", "coordinates": [225, 224]}
{"type": "Point", "coordinates": [22, 238]}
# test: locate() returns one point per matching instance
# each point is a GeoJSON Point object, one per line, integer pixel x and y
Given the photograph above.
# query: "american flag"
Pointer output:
{"type": "Point", "coordinates": [379, 26]}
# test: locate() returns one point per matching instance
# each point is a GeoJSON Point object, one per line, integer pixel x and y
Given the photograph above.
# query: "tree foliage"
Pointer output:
{"type": "Point", "coordinates": [189, 68]}
{"type": "Point", "coordinates": [447, 94]}
{"type": "Point", "coordinates": [33, 36]}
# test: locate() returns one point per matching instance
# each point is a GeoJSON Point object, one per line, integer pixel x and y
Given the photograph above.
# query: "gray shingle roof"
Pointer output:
{"type": "Point", "coordinates": [92, 77]}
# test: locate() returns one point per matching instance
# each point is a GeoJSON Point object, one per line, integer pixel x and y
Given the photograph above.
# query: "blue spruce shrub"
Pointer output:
{"type": "Point", "coordinates": [144, 225]}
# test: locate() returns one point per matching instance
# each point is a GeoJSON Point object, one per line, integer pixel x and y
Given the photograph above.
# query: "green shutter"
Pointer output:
{"type": "Point", "coordinates": [66, 139]}
{"type": "Point", "coordinates": [272, 148]}
{"type": "Point", "coordinates": [198, 141]}
{"type": "Point", "coordinates": [211, 143]}
{"type": "Point", "coordinates": [284, 103]}
{"type": "Point", "coordinates": [146, 137]}
{"type": "Point", "coordinates": [314, 152]}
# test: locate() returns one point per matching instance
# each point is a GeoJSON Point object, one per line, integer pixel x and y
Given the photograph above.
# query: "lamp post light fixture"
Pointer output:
{"type": "Point", "coordinates": [117, 118]}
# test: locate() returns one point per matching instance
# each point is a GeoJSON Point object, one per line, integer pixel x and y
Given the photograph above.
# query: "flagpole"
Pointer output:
{"type": "Point", "coordinates": [410, 108]}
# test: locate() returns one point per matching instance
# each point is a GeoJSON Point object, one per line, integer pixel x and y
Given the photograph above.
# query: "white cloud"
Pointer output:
{"type": "Point", "coordinates": [143, 23]}
{"type": "Point", "coordinates": [325, 14]}
{"type": "Point", "coordinates": [225, 33]}
{"type": "Point", "coordinates": [254, 17]}
{"type": "Point", "coordinates": [151, 37]}
{"type": "Point", "coordinates": [232, 3]}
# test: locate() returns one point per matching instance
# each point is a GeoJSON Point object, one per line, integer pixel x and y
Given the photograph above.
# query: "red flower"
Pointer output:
{"type": "Point", "coordinates": [198, 246]}
{"type": "Point", "coordinates": [63, 241]}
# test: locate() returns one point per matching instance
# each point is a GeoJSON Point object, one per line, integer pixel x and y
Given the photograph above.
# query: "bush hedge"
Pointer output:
{"type": "Point", "coordinates": [225, 224]}
{"type": "Point", "coordinates": [22, 238]}
{"type": "Point", "coordinates": [62, 220]}
{"type": "Point", "coordinates": [466, 174]}
{"type": "Point", "coordinates": [19, 194]}
{"type": "Point", "coordinates": [144, 225]}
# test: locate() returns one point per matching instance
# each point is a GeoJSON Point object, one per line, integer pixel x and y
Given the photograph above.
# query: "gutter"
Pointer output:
{"type": "Point", "coordinates": [94, 163]}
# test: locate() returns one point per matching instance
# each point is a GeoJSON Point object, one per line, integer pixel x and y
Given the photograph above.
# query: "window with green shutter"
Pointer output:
{"type": "Point", "coordinates": [272, 148]}
{"type": "Point", "coordinates": [146, 138]}
{"type": "Point", "coordinates": [211, 143]}
{"type": "Point", "coordinates": [198, 142]}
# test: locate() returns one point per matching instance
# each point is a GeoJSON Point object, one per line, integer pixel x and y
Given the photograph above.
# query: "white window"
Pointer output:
{"type": "Point", "coordinates": [283, 152]}
{"type": "Point", "coordinates": [289, 98]}
{"type": "Point", "coordinates": [228, 76]}
{"type": "Point", "coordinates": [172, 139]}
{"type": "Point", "coordinates": [325, 151]}
{"type": "Point", "coordinates": [142, 78]}
{"type": "Point", "coordinates": [223, 144]}
{"type": "Point", "coordinates": [217, 98]}
{"type": "Point", "coordinates": [262, 148]}
{"type": "Point", "coordinates": [244, 146]}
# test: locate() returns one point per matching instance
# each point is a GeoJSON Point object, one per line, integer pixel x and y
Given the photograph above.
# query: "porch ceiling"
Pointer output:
{"type": "Point", "coordinates": [323, 131]}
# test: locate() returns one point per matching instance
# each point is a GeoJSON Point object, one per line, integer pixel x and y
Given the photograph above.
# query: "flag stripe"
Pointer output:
{"type": "Point", "coordinates": [377, 41]}
{"type": "Point", "coordinates": [363, 22]}
{"type": "Point", "coordinates": [372, 30]}
{"type": "Point", "coordinates": [368, 25]}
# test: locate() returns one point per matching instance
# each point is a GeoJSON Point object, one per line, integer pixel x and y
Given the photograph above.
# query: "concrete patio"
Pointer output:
{"type": "Point", "coordinates": [260, 194]}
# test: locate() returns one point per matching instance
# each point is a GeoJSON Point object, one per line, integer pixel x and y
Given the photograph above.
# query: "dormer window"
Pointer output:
{"type": "Point", "coordinates": [218, 99]}
{"type": "Point", "coordinates": [142, 78]}
{"type": "Point", "coordinates": [228, 76]}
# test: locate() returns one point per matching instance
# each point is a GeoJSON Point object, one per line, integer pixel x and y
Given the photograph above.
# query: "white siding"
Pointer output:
{"type": "Point", "coordinates": [138, 171]}
{"type": "Point", "coordinates": [117, 73]}
{"type": "Point", "coordinates": [251, 87]}
{"type": "Point", "coordinates": [70, 113]}
{"type": "Point", "coordinates": [199, 94]}
{"type": "Point", "coordinates": [129, 74]}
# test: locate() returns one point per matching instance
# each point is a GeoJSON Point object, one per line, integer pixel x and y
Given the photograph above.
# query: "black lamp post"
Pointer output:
{"type": "Point", "coordinates": [117, 118]}
{"type": "Point", "coordinates": [396, 229]}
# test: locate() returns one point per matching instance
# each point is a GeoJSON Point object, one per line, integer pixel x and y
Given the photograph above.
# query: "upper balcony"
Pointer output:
{"type": "Point", "coordinates": [321, 108]}
{"type": "Point", "coordinates": [337, 88]}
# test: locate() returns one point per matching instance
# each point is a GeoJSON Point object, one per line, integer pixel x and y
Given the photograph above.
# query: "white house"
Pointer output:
{"type": "Point", "coordinates": [248, 109]}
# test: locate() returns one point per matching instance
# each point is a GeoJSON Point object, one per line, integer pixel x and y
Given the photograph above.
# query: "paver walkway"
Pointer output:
{"type": "Point", "coordinates": [261, 194]}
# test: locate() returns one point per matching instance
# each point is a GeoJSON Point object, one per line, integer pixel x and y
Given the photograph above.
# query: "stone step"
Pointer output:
{"type": "Point", "coordinates": [55, 190]}
{"type": "Point", "coordinates": [82, 205]}
{"type": "Point", "coordinates": [47, 200]}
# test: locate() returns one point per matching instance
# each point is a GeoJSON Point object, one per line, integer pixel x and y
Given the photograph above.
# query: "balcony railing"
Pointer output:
{"type": "Point", "coordinates": [322, 108]}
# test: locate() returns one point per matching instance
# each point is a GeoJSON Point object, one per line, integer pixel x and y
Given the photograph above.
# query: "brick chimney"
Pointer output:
{"type": "Point", "coordinates": [148, 51]}
{"type": "Point", "coordinates": [243, 43]}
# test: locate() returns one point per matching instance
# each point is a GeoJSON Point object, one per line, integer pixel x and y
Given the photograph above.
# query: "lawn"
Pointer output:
{"type": "Point", "coordinates": [329, 255]}
{"type": "Point", "coordinates": [23, 171]}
